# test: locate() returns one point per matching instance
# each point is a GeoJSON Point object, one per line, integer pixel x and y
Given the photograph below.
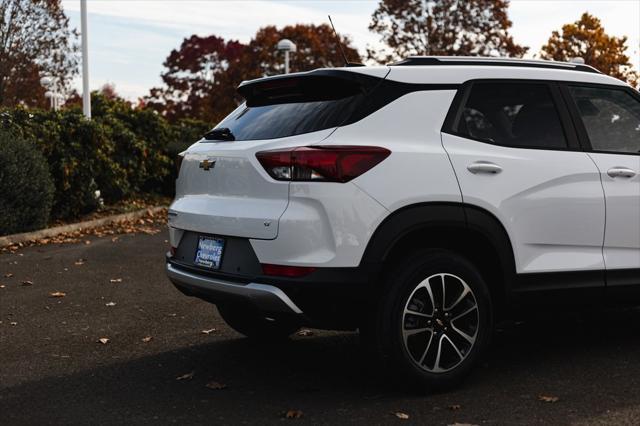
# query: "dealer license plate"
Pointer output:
{"type": "Point", "coordinates": [209, 252]}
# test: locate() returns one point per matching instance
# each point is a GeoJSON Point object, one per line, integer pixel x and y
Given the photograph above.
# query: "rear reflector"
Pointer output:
{"type": "Point", "coordinates": [286, 271]}
{"type": "Point", "coordinates": [321, 163]}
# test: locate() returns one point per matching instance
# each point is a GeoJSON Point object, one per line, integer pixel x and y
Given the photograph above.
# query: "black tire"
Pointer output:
{"type": "Point", "coordinates": [451, 272]}
{"type": "Point", "coordinates": [254, 325]}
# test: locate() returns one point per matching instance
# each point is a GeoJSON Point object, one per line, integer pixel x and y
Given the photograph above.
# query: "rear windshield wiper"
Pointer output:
{"type": "Point", "coordinates": [220, 134]}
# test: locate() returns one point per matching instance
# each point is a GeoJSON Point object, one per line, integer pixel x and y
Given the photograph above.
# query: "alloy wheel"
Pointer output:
{"type": "Point", "coordinates": [440, 323]}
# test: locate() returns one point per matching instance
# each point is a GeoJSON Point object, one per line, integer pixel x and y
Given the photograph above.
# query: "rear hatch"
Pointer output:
{"type": "Point", "coordinates": [222, 189]}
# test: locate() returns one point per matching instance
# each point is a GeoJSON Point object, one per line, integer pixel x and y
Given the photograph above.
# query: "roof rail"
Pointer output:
{"type": "Point", "coordinates": [500, 62]}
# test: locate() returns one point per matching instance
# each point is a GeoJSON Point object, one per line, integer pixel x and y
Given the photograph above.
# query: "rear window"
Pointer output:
{"type": "Point", "coordinates": [291, 106]}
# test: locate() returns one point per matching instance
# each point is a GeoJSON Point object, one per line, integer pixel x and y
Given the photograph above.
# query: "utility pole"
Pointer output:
{"type": "Point", "coordinates": [86, 92]}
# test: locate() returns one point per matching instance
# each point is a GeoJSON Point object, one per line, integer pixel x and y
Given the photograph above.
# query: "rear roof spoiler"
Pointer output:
{"type": "Point", "coordinates": [317, 84]}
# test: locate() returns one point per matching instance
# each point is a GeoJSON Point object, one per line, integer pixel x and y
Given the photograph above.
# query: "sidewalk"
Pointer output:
{"type": "Point", "coordinates": [136, 221]}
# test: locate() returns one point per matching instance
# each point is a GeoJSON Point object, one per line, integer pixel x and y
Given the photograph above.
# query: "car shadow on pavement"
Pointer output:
{"type": "Point", "coordinates": [591, 365]}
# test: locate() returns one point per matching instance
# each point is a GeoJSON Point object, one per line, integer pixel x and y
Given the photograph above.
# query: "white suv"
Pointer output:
{"type": "Point", "coordinates": [414, 202]}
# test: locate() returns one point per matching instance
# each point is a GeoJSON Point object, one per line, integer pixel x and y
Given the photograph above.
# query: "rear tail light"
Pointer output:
{"type": "Point", "coordinates": [286, 271]}
{"type": "Point", "coordinates": [321, 163]}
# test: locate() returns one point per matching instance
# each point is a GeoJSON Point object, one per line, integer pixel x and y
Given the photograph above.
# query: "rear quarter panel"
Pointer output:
{"type": "Point", "coordinates": [418, 169]}
{"type": "Point", "coordinates": [330, 224]}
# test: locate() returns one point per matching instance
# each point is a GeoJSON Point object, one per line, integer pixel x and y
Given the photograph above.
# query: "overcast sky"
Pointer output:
{"type": "Point", "coordinates": [130, 39]}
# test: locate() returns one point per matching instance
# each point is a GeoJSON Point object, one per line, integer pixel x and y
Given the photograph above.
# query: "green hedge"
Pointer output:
{"type": "Point", "coordinates": [26, 188]}
{"type": "Point", "coordinates": [121, 152]}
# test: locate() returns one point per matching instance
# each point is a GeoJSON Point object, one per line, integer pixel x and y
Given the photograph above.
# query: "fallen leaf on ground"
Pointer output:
{"type": "Point", "coordinates": [57, 294]}
{"type": "Point", "coordinates": [305, 332]}
{"type": "Point", "coordinates": [216, 385]}
{"type": "Point", "coordinates": [79, 262]}
{"type": "Point", "coordinates": [293, 414]}
{"type": "Point", "coordinates": [115, 280]}
{"type": "Point", "coordinates": [401, 415]}
{"type": "Point", "coordinates": [26, 283]}
{"type": "Point", "coordinates": [114, 239]}
{"type": "Point", "coordinates": [110, 304]}
{"type": "Point", "coordinates": [548, 398]}
{"type": "Point", "coordinates": [103, 340]}
{"type": "Point", "coordinates": [453, 407]}
{"type": "Point", "coordinates": [187, 376]}
{"type": "Point", "coordinates": [9, 275]}
{"type": "Point", "coordinates": [211, 330]}
{"type": "Point", "coordinates": [2, 286]}
{"type": "Point", "coordinates": [87, 242]}
{"type": "Point", "coordinates": [147, 339]}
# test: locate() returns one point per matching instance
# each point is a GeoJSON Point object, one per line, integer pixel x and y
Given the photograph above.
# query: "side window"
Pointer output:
{"type": "Point", "coordinates": [611, 117]}
{"type": "Point", "coordinates": [521, 115]}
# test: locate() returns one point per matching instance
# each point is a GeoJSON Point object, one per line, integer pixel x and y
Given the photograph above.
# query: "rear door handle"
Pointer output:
{"type": "Point", "coordinates": [484, 167]}
{"type": "Point", "coordinates": [624, 172]}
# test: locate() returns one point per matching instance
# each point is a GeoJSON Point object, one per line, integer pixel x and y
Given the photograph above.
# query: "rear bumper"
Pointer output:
{"type": "Point", "coordinates": [331, 298]}
{"type": "Point", "coordinates": [264, 297]}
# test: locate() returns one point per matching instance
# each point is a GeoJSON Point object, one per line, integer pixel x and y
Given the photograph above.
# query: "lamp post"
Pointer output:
{"type": "Point", "coordinates": [86, 93]}
{"type": "Point", "coordinates": [51, 96]}
{"type": "Point", "coordinates": [55, 99]}
{"type": "Point", "coordinates": [286, 46]}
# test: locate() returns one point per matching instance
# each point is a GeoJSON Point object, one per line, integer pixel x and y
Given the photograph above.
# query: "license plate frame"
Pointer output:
{"type": "Point", "coordinates": [209, 252]}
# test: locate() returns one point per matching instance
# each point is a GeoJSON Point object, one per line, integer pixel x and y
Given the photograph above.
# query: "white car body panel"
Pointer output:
{"type": "Point", "coordinates": [236, 197]}
{"type": "Point", "coordinates": [337, 220]}
{"type": "Point", "coordinates": [418, 169]}
{"type": "Point", "coordinates": [622, 234]}
{"type": "Point", "coordinates": [325, 225]}
{"type": "Point", "coordinates": [550, 202]}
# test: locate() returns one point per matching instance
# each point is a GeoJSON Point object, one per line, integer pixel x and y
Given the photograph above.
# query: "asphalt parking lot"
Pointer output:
{"type": "Point", "coordinates": [55, 370]}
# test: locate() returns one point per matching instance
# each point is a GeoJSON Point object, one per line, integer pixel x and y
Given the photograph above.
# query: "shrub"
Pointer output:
{"type": "Point", "coordinates": [140, 138]}
{"type": "Point", "coordinates": [121, 152]}
{"type": "Point", "coordinates": [78, 153]}
{"type": "Point", "coordinates": [26, 188]}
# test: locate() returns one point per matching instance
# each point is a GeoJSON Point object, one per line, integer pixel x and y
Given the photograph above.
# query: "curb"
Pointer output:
{"type": "Point", "coordinates": [8, 240]}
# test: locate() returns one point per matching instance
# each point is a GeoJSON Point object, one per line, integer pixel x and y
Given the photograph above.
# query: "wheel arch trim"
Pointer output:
{"type": "Point", "coordinates": [423, 216]}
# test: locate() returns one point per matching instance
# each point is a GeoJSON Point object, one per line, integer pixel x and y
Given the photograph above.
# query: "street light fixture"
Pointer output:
{"type": "Point", "coordinates": [46, 81]}
{"type": "Point", "coordinates": [286, 46]}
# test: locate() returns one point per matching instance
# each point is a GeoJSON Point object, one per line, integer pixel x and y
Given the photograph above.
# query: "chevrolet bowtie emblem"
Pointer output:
{"type": "Point", "coordinates": [206, 165]}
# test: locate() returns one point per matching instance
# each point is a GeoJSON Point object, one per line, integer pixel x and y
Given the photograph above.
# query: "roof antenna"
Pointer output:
{"type": "Point", "coordinates": [346, 61]}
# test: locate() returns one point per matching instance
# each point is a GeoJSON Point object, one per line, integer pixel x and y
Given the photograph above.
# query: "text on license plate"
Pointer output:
{"type": "Point", "coordinates": [209, 252]}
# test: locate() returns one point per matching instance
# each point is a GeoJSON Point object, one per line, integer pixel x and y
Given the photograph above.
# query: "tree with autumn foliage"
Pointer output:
{"type": "Point", "coordinates": [587, 39]}
{"type": "Point", "coordinates": [316, 48]}
{"type": "Point", "coordinates": [35, 40]}
{"type": "Point", "coordinates": [443, 27]}
{"type": "Point", "coordinates": [201, 77]}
